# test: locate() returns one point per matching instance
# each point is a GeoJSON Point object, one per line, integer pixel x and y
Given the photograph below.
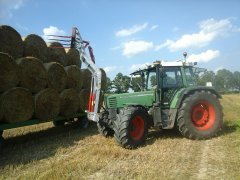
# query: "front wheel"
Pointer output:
{"type": "Point", "coordinates": [131, 127]}
{"type": "Point", "coordinates": [200, 116]}
{"type": "Point", "coordinates": [104, 125]}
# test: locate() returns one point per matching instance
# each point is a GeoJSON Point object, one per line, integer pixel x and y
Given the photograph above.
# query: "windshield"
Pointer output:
{"type": "Point", "coordinates": [190, 76]}
{"type": "Point", "coordinates": [151, 80]}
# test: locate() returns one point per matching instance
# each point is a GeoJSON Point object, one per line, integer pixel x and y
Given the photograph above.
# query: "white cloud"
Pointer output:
{"type": "Point", "coordinates": [210, 30]}
{"type": "Point", "coordinates": [165, 44]}
{"type": "Point", "coordinates": [135, 67]}
{"type": "Point", "coordinates": [109, 69]}
{"type": "Point", "coordinates": [132, 48]}
{"type": "Point", "coordinates": [52, 30]}
{"type": "Point", "coordinates": [153, 27]}
{"type": "Point", "coordinates": [204, 56]}
{"type": "Point", "coordinates": [134, 29]}
{"type": "Point", "coordinates": [8, 6]}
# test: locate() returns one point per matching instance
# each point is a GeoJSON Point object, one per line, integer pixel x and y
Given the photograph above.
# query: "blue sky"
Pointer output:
{"type": "Point", "coordinates": [126, 34]}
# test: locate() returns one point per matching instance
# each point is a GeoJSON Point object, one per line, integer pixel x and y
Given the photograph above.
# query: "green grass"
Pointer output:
{"type": "Point", "coordinates": [46, 152]}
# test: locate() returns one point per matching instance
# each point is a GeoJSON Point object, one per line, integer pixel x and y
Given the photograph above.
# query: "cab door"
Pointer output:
{"type": "Point", "coordinates": [171, 83]}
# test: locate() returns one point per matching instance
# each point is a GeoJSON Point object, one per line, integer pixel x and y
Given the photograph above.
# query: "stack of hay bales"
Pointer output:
{"type": "Point", "coordinates": [40, 81]}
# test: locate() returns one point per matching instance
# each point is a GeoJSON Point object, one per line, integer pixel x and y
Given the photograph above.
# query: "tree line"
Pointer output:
{"type": "Point", "coordinates": [223, 80]}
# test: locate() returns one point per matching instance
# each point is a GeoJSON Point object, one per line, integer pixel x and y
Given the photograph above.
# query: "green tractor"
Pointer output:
{"type": "Point", "coordinates": [170, 98]}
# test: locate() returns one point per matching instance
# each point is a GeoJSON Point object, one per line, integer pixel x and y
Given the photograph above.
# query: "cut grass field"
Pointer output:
{"type": "Point", "coordinates": [70, 152]}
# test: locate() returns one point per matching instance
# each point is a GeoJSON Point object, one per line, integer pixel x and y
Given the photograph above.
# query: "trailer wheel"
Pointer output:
{"type": "Point", "coordinates": [200, 116]}
{"type": "Point", "coordinates": [131, 127]}
{"type": "Point", "coordinates": [58, 123]}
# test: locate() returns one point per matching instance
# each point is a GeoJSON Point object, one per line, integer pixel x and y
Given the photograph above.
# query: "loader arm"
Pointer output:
{"type": "Point", "coordinates": [78, 43]}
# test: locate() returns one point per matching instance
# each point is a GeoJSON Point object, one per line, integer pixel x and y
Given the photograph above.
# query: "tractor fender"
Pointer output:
{"type": "Point", "coordinates": [150, 119]}
{"type": "Point", "coordinates": [191, 90]}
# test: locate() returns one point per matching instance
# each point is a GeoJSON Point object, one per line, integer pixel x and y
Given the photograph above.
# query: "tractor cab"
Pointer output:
{"type": "Point", "coordinates": [166, 78]}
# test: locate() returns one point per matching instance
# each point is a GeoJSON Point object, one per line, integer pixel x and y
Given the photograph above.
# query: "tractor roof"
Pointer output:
{"type": "Point", "coordinates": [165, 64]}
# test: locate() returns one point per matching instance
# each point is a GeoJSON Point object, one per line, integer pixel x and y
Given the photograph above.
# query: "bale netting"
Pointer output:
{"type": "Point", "coordinates": [74, 77]}
{"type": "Point", "coordinates": [103, 80]}
{"type": "Point", "coordinates": [86, 77]}
{"type": "Point", "coordinates": [34, 45]}
{"type": "Point", "coordinates": [8, 72]}
{"type": "Point", "coordinates": [11, 41]}
{"type": "Point", "coordinates": [70, 103]}
{"type": "Point", "coordinates": [57, 53]}
{"type": "Point", "coordinates": [47, 104]}
{"type": "Point", "coordinates": [16, 105]}
{"type": "Point", "coordinates": [84, 98]}
{"type": "Point", "coordinates": [33, 75]}
{"type": "Point", "coordinates": [73, 57]}
{"type": "Point", "coordinates": [57, 77]}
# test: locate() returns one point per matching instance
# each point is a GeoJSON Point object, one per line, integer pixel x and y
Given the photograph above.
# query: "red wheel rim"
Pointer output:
{"type": "Point", "coordinates": [137, 128]}
{"type": "Point", "coordinates": [203, 115]}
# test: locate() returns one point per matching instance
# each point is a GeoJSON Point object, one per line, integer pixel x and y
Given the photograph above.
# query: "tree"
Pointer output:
{"type": "Point", "coordinates": [121, 83]}
{"type": "Point", "coordinates": [109, 85]}
{"type": "Point", "coordinates": [224, 80]}
{"type": "Point", "coordinates": [208, 76]}
{"type": "Point", "coordinates": [236, 79]}
{"type": "Point", "coordinates": [136, 84]}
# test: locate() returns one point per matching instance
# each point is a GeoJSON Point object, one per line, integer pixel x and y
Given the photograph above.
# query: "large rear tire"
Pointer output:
{"type": "Point", "coordinates": [131, 127]}
{"type": "Point", "coordinates": [200, 116]}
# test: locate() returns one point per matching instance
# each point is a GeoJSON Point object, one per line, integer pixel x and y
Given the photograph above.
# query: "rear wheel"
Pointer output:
{"type": "Point", "coordinates": [200, 116]}
{"type": "Point", "coordinates": [131, 127]}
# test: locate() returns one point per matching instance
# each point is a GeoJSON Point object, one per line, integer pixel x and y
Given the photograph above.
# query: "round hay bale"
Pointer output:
{"type": "Point", "coordinates": [8, 72]}
{"type": "Point", "coordinates": [57, 53]}
{"type": "Point", "coordinates": [34, 45]}
{"type": "Point", "coordinates": [57, 77]}
{"type": "Point", "coordinates": [11, 41]}
{"type": "Point", "coordinates": [33, 75]}
{"type": "Point", "coordinates": [70, 102]}
{"type": "Point", "coordinates": [86, 78]}
{"type": "Point", "coordinates": [104, 80]}
{"type": "Point", "coordinates": [16, 105]}
{"type": "Point", "coordinates": [84, 98]}
{"type": "Point", "coordinates": [74, 77]}
{"type": "Point", "coordinates": [47, 104]}
{"type": "Point", "coordinates": [73, 57]}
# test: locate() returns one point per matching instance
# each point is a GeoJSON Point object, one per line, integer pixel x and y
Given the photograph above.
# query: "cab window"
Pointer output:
{"type": "Point", "coordinates": [151, 80]}
{"type": "Point", "coordinates": [190, 76]}
{"type": "Point", "coordinates": [172, 77]}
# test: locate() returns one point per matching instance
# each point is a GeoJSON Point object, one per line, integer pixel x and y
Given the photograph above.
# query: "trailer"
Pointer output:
{"type": "Point", "coordinates": [88, 59]}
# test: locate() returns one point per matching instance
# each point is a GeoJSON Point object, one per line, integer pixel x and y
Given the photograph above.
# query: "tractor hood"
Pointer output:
{"type": "Point", "coordinates": [145, 98]}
